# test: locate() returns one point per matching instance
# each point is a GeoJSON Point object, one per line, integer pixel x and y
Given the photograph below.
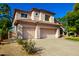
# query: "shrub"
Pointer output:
{"type": "Point", "coordinates": [71, 33]}
{"type": "Point", "coordinates": [20, 41]}
{"type": "Point", "coordinates": [72, 38]}
{"type": "Point", "coordinates": [28, 46]}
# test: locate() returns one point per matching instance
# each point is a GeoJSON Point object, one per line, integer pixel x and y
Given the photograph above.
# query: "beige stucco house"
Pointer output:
{"type": "Point", "coordinates": [35, 24]}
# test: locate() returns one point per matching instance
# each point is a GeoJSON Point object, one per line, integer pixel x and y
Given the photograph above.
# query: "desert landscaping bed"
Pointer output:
{"type": "Point", "coordinates": [50, 47]}
{"type": "Point", "coordinates": [12, 49]}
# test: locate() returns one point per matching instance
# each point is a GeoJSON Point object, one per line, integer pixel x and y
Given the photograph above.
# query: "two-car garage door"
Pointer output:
{"type": "Point", "coordinates": [29, 33]}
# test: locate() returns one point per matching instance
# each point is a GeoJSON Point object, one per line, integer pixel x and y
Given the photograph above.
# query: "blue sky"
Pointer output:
{"type": "Point", "coordinates": [59, 8]}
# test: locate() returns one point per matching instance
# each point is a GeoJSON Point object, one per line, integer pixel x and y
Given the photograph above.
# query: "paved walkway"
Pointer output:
{"type": "Point", "coordinates": [58, 47]}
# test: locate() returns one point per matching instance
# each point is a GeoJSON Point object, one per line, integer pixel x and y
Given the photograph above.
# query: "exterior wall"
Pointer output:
{"type": "Point", "coordinates": [19, 30]}
{"type": "Point", "coordinates": [37, 32]}
{"type": "Point", "coordinates": [41, 16]}
{"type": "Point", "coordinates": [34, 16]}
{"type": "Point", "coordinates": [31, 31]}
{"type": "Point", "coordinates": [48, 26]}
{"type": "Point", "coordinates": [34, 31]}
{"type": "Point", "coordinates": [14, 34]}
{"type": "Point", "coordinates": [51, 18]}
{"type": "Point", "coordinates": [25, 31]}
{"type": "Point", "coordinates": [57, 35]}
{"type": "Point", "coordinates": [18, 16]}
{"type": "Point", "coordinates": [14, 31]}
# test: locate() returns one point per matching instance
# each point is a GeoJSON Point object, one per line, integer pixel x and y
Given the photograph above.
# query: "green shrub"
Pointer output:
{"type": "Point", "coordinates": [72, 38]}
{"type": "Point", "coordinates": [20, 41]}
{"type": "Point", "coordinates": [28, 46]}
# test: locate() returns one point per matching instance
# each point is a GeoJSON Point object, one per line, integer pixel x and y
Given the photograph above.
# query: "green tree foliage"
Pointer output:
{"type": "Point", "coordinates": [71, 19]}
{"type": "Point", "coordinates": [5, 23]}
{"type": "Point", "coordinates": [5, 20]}
{"type": "Point", "coordinates": [4, 9]}
{"type": "Point", "coordinates": [76, 7]}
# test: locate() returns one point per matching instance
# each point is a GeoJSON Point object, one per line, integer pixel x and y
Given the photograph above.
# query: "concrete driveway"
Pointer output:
{"type": "Point", "coordinates": [58, 47]}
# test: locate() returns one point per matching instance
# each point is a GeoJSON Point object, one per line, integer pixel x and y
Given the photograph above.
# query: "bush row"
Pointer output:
{"type": "Point", "coordinates": [72, 38]}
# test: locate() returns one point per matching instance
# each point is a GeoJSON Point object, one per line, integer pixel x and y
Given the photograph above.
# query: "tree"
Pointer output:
{"type": "Point", "coordinates": [5, 25]}
{"type": "Point", "coordinates": [4, 9]}
{"type": "Point", "coordinates": [5, 20]}
{"type": "Point", "coordinates": [76, 7]}
{"type": "Point", "coordinates": [72, 20]}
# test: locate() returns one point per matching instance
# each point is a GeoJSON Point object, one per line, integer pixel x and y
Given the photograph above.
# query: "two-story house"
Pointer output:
{"type": "Point", "coordinates": [35, 24]}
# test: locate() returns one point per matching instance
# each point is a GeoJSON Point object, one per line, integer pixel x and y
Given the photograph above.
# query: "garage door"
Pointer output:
{"type": "Point", "coordinates": [29, 33]}
{"type": "Point", "coordinates": [47, 33]}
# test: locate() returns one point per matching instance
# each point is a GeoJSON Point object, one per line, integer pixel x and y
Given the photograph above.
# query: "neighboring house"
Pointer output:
{"type": "Point", "coordinates": [35, 24]}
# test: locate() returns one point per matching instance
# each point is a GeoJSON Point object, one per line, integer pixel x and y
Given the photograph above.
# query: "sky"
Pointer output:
{"type": "Point", "coordinates": [59, 8]}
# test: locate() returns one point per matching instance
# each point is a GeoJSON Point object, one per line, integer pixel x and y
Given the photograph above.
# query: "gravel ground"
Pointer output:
{"type": "Point", "coordinates": [58, 47]}
{"type": "Point", "coordinates": [12, 49]}
{"type": "Point", "coordinates": [48, 47]}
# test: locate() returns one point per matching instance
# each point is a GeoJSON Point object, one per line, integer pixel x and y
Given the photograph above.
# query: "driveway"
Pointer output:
{"type": "Point", "coordinates": [58, 47]}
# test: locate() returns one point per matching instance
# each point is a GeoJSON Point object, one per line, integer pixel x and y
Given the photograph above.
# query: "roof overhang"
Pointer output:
{"type": "Point", "coordinates": [35, 22]}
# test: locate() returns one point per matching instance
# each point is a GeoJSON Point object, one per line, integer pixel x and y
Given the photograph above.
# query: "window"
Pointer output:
{"type": "Point", "coordinates": [36, 14]}
{"type": "Point", "coordinates": [47, 17]}
{"type": "Point", "coordinates": [24, 15]}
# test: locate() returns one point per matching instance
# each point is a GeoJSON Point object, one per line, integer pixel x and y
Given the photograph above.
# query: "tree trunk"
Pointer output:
{"type": "Point", "coordinates": [0, 39]}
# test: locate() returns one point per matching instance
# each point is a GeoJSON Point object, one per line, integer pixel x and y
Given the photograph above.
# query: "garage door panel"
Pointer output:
{"type": "Point", "coordinates": [29, 33]}
{"type": "Point", "coordinates": [47, 33]}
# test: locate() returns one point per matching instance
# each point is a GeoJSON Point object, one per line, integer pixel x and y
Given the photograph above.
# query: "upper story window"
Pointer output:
{"type": "Point", "coordinates": [24, 15]}
{"type": "Point", "coordinates": [47, 17]}
{"type": "Point", "coordinates": [36, 14]}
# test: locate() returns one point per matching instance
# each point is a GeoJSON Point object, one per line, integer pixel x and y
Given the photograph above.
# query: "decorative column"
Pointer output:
{"type": "Point", "coordinates": [33, 15]}
{"type": "Point", "coordinates": [37, 32]}
{"type": "Point", "coordinates": [57, 35]}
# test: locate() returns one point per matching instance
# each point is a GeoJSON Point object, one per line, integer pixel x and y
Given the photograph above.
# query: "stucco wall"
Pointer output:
{"type": "Point", "coordinates": [18, 16]}
{"type": "Point", "coordinates": [19, 31]}
{"type": "Point", "coordinates": [33, 16]}
{"type": "Point", "coordinates": [31, 31]}
{"type": "Point", "coordinates": [41, 16]}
